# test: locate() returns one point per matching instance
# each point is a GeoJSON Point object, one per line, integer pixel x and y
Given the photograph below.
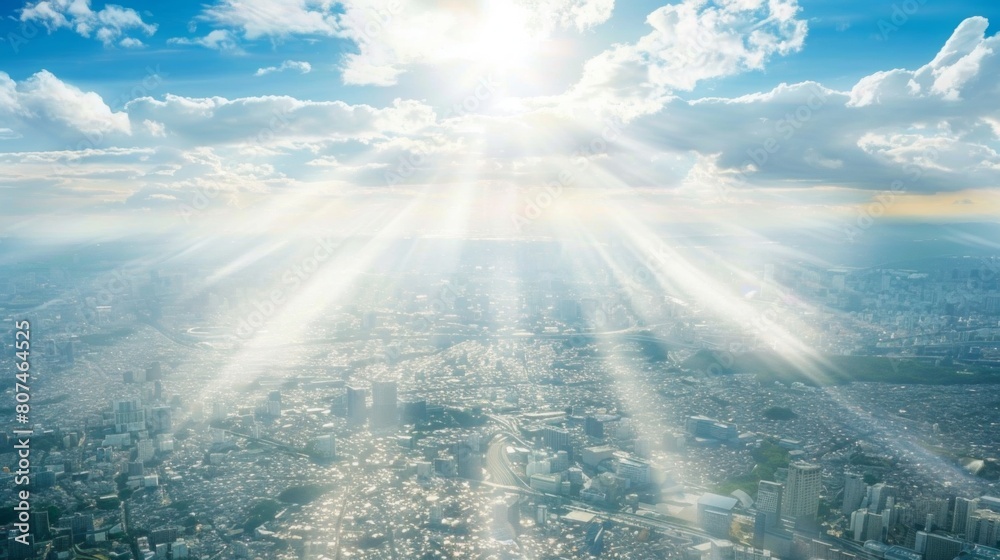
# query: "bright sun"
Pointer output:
{"type": "Point", "coordinates": [502, 38]}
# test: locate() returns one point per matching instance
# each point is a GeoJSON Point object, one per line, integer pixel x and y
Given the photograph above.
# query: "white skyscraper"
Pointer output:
{"type": "Point", "coordinates": [801, 498]}
{"type": "Point", "coordinates": [854, 492]}
{"type": "Point", "coordinates": [384, 404]}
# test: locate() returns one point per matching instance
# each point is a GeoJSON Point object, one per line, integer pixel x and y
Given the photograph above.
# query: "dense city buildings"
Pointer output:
{"type": "Point", "coordinates": [484, 423]}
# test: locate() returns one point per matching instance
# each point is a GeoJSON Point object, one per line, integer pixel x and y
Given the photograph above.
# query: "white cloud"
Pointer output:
{"type": "Point", "coordinates": [276, 120]}
{"type": "Point", "coordinates": [567, 14]}
{"type": "Point", "coordinates": [218, 39]}
{"type": "Point", "coordinates": [962, 70]}
{"type": "Point", "coordinates": [108, 25]}
{"type": "Point", "coordinates": [8, 95]}
{"type": "Point", "coordinates": [131, 43]}
{"type": "Point", "coordinates": [303, 67]}
{"type": "Point", "coordinates": [794, 137]}
{"type": "Point", "coordinates": [692, 41]}
{"type": "Point", "coordinates": [393, 35]}
{"type": "Point", "coordinates": [155, 128]}
{"type": "Point", "coordinates": [43, 97]}
{"type": "Point", "coordinates": [940, 152]}
{"type": "Point", "coordinates": [274, 18]}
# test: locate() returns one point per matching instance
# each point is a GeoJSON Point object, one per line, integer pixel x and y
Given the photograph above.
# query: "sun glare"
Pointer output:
{"type": "Point", "coordinates": [503, 37]}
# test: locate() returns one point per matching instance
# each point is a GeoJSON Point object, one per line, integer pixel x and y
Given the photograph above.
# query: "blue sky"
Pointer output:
{"type": "Point", "coordinates": [131, 115]}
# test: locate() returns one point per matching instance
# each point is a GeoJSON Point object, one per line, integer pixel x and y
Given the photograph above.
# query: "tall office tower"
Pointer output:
{"type": "Point", "coordinates": [936, 507]}
{"type": "Point", "coordinates": [854, 492]}
{"type": "Point", "coordinates": [325, 446]}
{"type": "Point", "coordinates": [219, 410]}
{"type": "Point", "coordinates": [960, 517]}
{"type": "Point", "coordinates": [769, 501]}
{"type": "Point", "coordinates": [940, 547]}
{"type": "Point", "coordinates": [273, 405]}
{"type": "Point", "coordinates": [144, 450]}
{"type": "Point", "coordinates": [357, 407]}
{"type": "Point", "coordinates": [17, 550]}
{"type": "Point", "coordinates": [413, 411]}
{"type": "Point", "coordinates": [129, 415]}
{"type": "Point", "coordinates": [507, 515]}
{"type": "Point", "coordinates": [801, 498]}
{"type": "Point", "coordinates": [983, 528]}
{"type": "Point", "coordinates": [40, 523]}
{"type": "Point", "coordinates": [759, 529]}
{"type": "Point", "coordinates": [384, 404]}
{"type": "Point", "coordinates": [161, 419]}
{"type": "Point", "coordinates": [881, 493]}
{"type": "Point", "coordinates": [468, 461]}
{"type": "Point", "coordinates": [555, 438]}
{"type": "Point", "coordinates": [80, 525]}
{"type": "Point", "coordinates": [867, 526]}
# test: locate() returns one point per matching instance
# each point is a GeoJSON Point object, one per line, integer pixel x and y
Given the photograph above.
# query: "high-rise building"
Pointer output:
{"type": "Point", "coordinates": [506, 514]}
{"type": "Point", "coordinates": [866, 525]}
{"type": "Point", "coordinates": [881, 493]}
{"type": "Point", "coordinates": [769, 495]}
{"type": "Point", "coordinates": [413, 411]}
{"type": "Point", "coordinates": [40, 523]}
{"type": "Point", "coordinates": [759, 529]}
{"type": "Point", "coordinates": [854, 492]}
{"type": "Point", "coordinates": [81, 524]}
{"type": "Point", "coordinates": [715, 514]}
{"type": "Point", "coordinates": [163, 535]}
{"type": "Point", "coordinates": [593, 427]}
{"type": "Point", "coordinates": [468, 461]}
{"type": "Point", "coordinates": [325, 446]}
{"type": "Point", "coordinates": [542, 514]}
{"type": "Point", "coordinates": [801, 497]}
{"type": "Point", "coordinates": [144, 450]}
{"type": "Point", "coordinates": [130, 416]}
{"type": "Point", "coordinates": [636, 472]}
{"type": "Point", "coordinates": [18, 550]}
{"type": "Point", "coordinates": [750, 553]}
{"type": "Point", "coordinates": [178, 549]}
{"type": "Point", "coordinates": [384, 404]}
{"type": "Point", "coordinates": [555, 438]}
{"type": "Point", "coordinates": [219, 410]}
{"type": "Point", "coordinates": [357, 406]}
{"type": "Point", "coordinates": [940, 547]}
{"type": "Point", "coordinates": [983, 527]}
{"type": "Point", "coordinates": [933, 512]}
{"type": "Point", "coordinates": [161, 419]}
{"type": "Point", "coordinates": [273, 406]}
{"type": "Point", "coordinates": [960, 517]}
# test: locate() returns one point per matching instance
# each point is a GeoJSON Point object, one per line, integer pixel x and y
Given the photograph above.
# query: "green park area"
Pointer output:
{"type": "Point", "coordinates": [769, 457]}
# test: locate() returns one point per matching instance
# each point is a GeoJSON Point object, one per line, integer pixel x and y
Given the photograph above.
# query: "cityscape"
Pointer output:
{"type": "Point", "coordinates": [435, 417]}
{"type": "Point", "coordinates": [500, 280]}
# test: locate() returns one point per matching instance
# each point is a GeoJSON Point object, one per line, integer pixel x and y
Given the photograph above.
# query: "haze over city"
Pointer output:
{"type": "Point", "coordinates": [697, 280]}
